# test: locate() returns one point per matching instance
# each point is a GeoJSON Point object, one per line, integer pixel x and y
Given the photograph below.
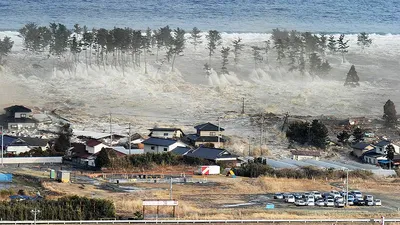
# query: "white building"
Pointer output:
{"type": "Point", "coordinates": [94, 146]}
{"type": "Point", "coordinates": [161, 145]}
{"type": "Point", "coordinates": [381, 146]}
{"type": "Point", "coordinates": [173, 133]}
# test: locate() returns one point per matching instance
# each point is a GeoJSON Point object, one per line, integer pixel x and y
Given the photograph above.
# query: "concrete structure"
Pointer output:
{"type": "Point", "coordinates": [303, 155]}
{"type": "Point", "coordinates": [32, 160]}
{"type": "Point", "coordinates": [373, 157]}
{"type": "Point", "coordinates": [94, 146]}
{"type": "Point", "coordinates": [160, 145]}
{"type": "Point", "coordinates": [208, 170]}
{"type": "Point", "coordinates": [172, 133]}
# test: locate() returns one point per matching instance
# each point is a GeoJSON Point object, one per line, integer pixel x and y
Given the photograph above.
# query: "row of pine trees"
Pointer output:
{"type": "Point", "coordinates": [65, 208]}
{"type": "Point", "coordinates": [121, 47]}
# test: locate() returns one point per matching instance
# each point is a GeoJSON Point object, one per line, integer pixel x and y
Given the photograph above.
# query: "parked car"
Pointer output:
{"type": "Point", "coordinates": [306, 194]}
{"type": "Point", "coordinates": [335, 194]}
{"type": "Point", "coordinates": [285, 195]}
{"type": "Point", "coordinates": [339, 204]}
{"type": "Point", "coordinates": [350, 202]}
{"type": "Point", "coordinates": [316, 194]}
{"type": "Point", "coordinates": [320, 203]}
{"type": "Point", "coordinates": [329, 203]}
{"type": "Point", "coordinates": [290, 199]}
{"type": "Point", "coordinates": [369, 197]}
{"type": "Point", "coordinates": [378, 202]}
{"type": "Point", "coordinates": [359, 202]}
{"type": "Point", "coordinates": [310, 202]}
{"type": "Point", "coordinates": [278, 196]}
{"type": "Point", "coordinates": [356, 193]}
{"type": "Point", "coordinates": [310, 197]}
{"type": "Point", "coordinates": [343, 193]}
{"type": "Point", "coordinates": [339, 199]}
{"type": "Point", "coordinates": [369, 202]}
{"type": "Point", "coordinates": [300, 203]}
{"type": "Point", "coordinates": [329, 197]}
{"type": "Point", "coordinates": [351, 198]}
{"type": "Point", "coordinates": [298, 196]}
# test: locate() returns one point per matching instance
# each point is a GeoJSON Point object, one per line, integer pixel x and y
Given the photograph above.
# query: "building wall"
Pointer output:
{"type": "Point", "coordinates": [210, 133]}
{"type": "Point", "coordinates": [162, 149]}
{"type": "Point", "coordinates": [372, 160]}
{"type": "Point", "coordinates": [21, 115]}
{"type": "Point", "coordinates": [382, 150]}
{"type": "Point", "coordinates": [216, 145]}
{"type": "Point", "coordinates": [160, 134]}
{"type": "Point", "coordinates": [17, 149]}
{"type": "Point", "coordinates": [31, 160]}
{"type": "Point", "coordinates": [304, 157]}
{"type": "Point", "coordinates": [17, 126]}
{"type": "Point", "coordinates": [95, 149]}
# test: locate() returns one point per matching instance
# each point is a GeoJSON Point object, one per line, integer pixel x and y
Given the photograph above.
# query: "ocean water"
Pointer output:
{"type": "Point", "coordinates": [241, 16]}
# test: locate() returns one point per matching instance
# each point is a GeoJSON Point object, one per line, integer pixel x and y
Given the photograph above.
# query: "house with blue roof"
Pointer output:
{"type": "Point", "coordinates": [161, 145]}
{"type": "Point", "coordinates": [207, 133]}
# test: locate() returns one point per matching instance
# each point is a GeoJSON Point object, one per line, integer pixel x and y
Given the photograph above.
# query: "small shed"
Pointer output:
{"type": "Point", "coordinates": [303, 155]}
{"type": "Point", "coordinates": [63, 176]}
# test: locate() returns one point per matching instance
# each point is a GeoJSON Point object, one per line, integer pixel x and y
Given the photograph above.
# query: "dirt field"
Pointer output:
{"type": "Point", "coordinates": [223, 197]}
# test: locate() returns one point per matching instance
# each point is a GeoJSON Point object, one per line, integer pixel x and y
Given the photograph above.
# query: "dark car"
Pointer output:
{"type": "Point", "coordinates": [359, 202]}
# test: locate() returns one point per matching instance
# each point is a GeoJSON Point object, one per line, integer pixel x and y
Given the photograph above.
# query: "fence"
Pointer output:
{"type": "Point", "coordinates": [31, 160]}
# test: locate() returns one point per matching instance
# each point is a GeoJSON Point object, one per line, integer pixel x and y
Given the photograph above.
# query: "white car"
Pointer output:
{"type": "Point", "coordinates": [310, 197]}
{"type": "Point", "coordinates": [339, 204]}
{"type": "Point", "coordinates": [339, 199]}
{"type": "Point", "coordinates": [378, 202]}
{"type": "Point", "coordinates": [356, 194]}
{"type": "Point", "coordinates": [369, 198]}
{"type": "Point", "coordinates": [316, 194]}
{"type": "Point", "coordinates": [369, 203]}
{"type": "Point", "coordinates": [320, 203]}
{"type": "Point", "coordinates": [329, 203]}
{"type": "Point", "coordinates": [300, 203]}
{"type": "Point", "coordinates": [290, 199]}
{"type": "Point", "coordinates": [334, 194]}
{"type": "Point", "coordinates": [310, 202]}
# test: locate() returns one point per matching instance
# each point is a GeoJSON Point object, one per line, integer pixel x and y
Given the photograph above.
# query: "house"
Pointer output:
{"type": "Point", "coordinates": [381, 146]}
{"type": "Point", "coordinates": [213, 154]}
{"type": "Point", "coordinates": [373, 157]}
{"type": "Point", "coordinates": [160, 145]}
{"type": "Point", "coordinates": [172, 133]}
{"type": "Point", "coordinates": [99, 136]}
{"type": "Point", "coordinates": [207, 133]}
{"type": "Point", "coordinates": [181, 150]}
{"type": "Point", "coordinates": [360, 148]}
{"type": "Point", "coordinates": [303, 155]}
{"type": "Point", "coordinates": [132, 151]}
{"type": "Point", "coordinates": [78, 155]}
{"type": "Point", "coordinates": [94, 146]}
{"type": "Point", "coordinates": [19, 117]}
{"type": "Point", "coordinates": [17, 145]}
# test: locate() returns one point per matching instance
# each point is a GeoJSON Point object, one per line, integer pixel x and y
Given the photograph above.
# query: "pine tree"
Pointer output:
{"type": "Point", "coordinates": [178, 43]}
{"type": "Point", "coordinates": [343, 46]}
{"type": "Point", "coordinates": [302, 62]}
{"type": "Point", "coordinates": [195, 37]}
{"type": "Point", "coordinates": [358, 135]}
{"type": "Point", "coordinates": [256, 55]}
{"type": "Point", "coordinates": [207, 69]}
{"type": "Point", "coordinates": [352, 78]}
{"type": "Point", "coordinates": [318, 134]}
{"type": "Point", "coordinates": [343, 137]}
{"type": "Point", "coordinates": [363, 40]}
{"type": "Point", "coordinates": [332, 44]}
{"type": "Point", "coordinates": [237, 48]}
{"type": "Point", "coordinates": [63, 141]}
{"type": "Point", "coordinates": [214, 40]}
{"type": "Point", "coordinates": [5, 48]}
{"type": "Point", "coordinates": [225, 54]}
{"type": "Point", "coordinates": [103, 159]}
{"type": "Point", "coordinates": [267, 47]}
{"type": "Point", "coordinates": [325, 68]}
{"type": "Point", "coordinates": [315, 64]}
{"type": "Point", "coordinates": [322, 41]}
{"type": "Point", "coordinates": [280, 50]}
{"type": "Point", "coordinates": [389, 113]}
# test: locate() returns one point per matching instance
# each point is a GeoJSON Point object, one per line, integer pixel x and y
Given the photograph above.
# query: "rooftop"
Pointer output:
{"type": "Point", "coordinates": [210, 153]}
{"type": "Point", "coordinates": [92, 143]}
{"type": "Point", "coordinates": [360, 145]}
{"type": "Point", "coordinates": [164, 129]}
{"type": "Point", "coordinates": [159, 141]}
{"type": "Point", "coordinates": [17, 108]}
{"type": "Point", "coordinates": [208, 127]}
{"type": "Point", "coordinates": [180, 150]}
{"type": "Point", "coordinates": [382, 143]}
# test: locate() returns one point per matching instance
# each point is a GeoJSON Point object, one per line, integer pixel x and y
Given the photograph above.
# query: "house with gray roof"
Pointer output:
{"type": "Point", "coordinates": [360, 148]}
{"type": "Point", "coordinates": [19, 117]}
{"type": "Point", "coordinates": [213, 154]}
{"type": "Point", "coordinates": [173, 133]}
{"type": "Point", "coordinates": [381, 146]}
{"type": "Point", "coordinates": [161, 145]}
{"type": "Point", "coordinates": [181, 150]}
{"type": "Point", "coordinates": [207, 133]}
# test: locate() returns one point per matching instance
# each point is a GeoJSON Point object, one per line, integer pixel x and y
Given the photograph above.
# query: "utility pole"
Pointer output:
{"type": "Point", "coordinates": [249, 145]}
{"type": "Point", "coordinates": [347, 187]}
{"type": "Point", "coordinates": [170, 189]}
{"type": "Point", "coordinates": [219, 131]}
{"type": "Point", "coordinates": [111, 135]}
{"type": "Point", "coordinates": [243, 106]}
{"type": "Point", "coordinates": [35, 212]}
{"type": "Point", "coordinates": [2, 146]}
{"type": "Point", "coordinates": [129, 138]}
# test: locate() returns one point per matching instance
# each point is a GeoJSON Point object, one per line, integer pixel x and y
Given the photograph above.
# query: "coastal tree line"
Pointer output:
{"type": "Point", "coordinates": [122, 47]}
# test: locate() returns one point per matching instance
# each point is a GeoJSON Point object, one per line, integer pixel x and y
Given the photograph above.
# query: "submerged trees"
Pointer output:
{"type": "Point", "coordinates": [214, 40]}
{"type": "Point", "coordinates": [389, 113]}
{"type": "Point", "coordinates": [195, 37]}
{"type": "Point", "coordinates": [352, 78]}
{"type": "Point", "coordinates": [343, 46]}
{"type": "Point", "coordinates": [225, 54]}
{"type": "Point", "coordinates": [5, 48]}
{"type": "Point", "coordinates": [237, 49]}
{"type": "Point", "coordinates": [363, 40]}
